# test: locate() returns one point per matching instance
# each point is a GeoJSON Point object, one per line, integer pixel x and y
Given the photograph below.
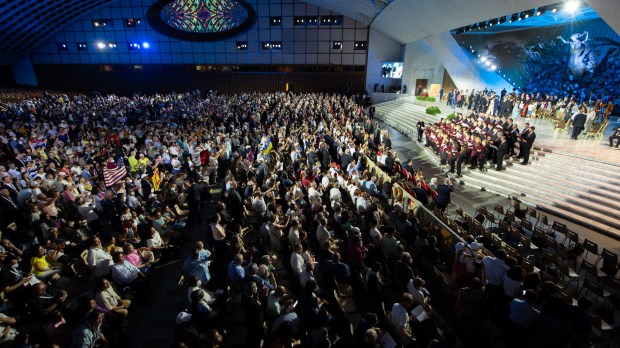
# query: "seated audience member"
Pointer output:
{"type": "Point", "coordinates": [124, 273]}
{"type": "Point", "coordinates": [98, 259]}
{"type": "Point", "coordinates": [107, 299]}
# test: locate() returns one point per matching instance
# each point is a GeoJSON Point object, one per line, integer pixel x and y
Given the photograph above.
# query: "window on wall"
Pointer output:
{"type": "Point", "coordinates": [337, 45]}
{"type": "Point", "coordinates": [62, 46]}
{"type": "Point", "coordinates": [331, 20]}
{"type": "Point", "coordinates": [133, 22]}
{"type": "Point", "coordinates": [299, 20]}
{"type": "Point", "coordinates": [360, 45]}
{"type": "Point", "coordinates": [102, 23]}
{"type": "Point", "coordinates": [275, 21]}
{"type": "Point", "coordinates": [266, 45]}
{"type": "Point", "coordinates": [242, 45]}
{"type": "Point", "coordinates": [81, 46]}
{"type": "Point", "coordinates": [276, 45]}
{"type": "Point", "coordinates": [312, 20]}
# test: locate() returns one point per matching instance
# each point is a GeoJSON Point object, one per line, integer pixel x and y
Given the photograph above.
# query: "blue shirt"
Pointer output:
{"type": "Point", "coordinates": [340, 270]}
{"type": "Point", "coordinates": [523, 314]}
{"type": "Point", "coordinates": [198, 268]}
{"type": "Point", "coordinates": [85, 336]}
{"type": "Point", "coordinates": [236, 273]}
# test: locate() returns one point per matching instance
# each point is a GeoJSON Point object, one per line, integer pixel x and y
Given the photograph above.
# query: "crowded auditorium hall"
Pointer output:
{"type": "Point", "coordinates": [309, 173]}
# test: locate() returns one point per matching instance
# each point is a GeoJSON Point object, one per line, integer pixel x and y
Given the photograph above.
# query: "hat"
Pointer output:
{"type": "Point", "coordinates": [459, 246]}
{"type": "Point", "coordinates": [183, 317]}
{"type": "Point", "coordinates": [143, 176]}
{"type": "Point", "coordinates": [476, 245]}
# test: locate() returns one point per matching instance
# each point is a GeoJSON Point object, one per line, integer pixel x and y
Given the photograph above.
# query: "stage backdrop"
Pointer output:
{"type": "Point", "coordinates": [581, 58]}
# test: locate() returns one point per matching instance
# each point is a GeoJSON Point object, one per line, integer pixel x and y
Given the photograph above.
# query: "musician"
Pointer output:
{"type": "Point", "coordinates": [522, 138]}
{"type": "Point", "coordinates": [455, 152]}
{"type": "Point", "coordinates": [466, 146]}
{"type": "Point", "coordinates": [512, 139]}
{"type": "Point", "coordinates": [502, 149]}
{"type": "Point", "coordinates": [528, 143]}
{"type": "Point", "coordinates": [420, 125]}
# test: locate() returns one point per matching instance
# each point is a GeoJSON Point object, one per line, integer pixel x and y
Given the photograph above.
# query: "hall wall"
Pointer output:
{"type": "Point", "coordinates": [311, 44]}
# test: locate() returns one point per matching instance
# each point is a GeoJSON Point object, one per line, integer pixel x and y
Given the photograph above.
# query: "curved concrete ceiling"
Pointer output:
{"type": "Point", "coordinates": [26, 24]}
{"type": "Point", "coordinates": [408, 20]}
{"type": "Point", "coordinates": [361, 10]}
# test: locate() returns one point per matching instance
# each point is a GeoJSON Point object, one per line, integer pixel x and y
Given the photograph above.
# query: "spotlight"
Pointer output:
{"type": "Point", "coordinates": [483, 59]}
{"type": "Point", "coordinates": [100, 45]}
{"type": "Point", "coordinates": [541, 11]}
{"type": "Point", "coordinates": [146, 45]}
{"type": "Point", "coordinates": [494, 67]}
{"type": "Point", "coordinates": [572, 6]}
{"type": "Point", "coordinates": [554, 10]}
{"type": "Point", "coordinates": [112, 45]}
{"type": "Point", "coordinates": [478, 56]}
{"type": "Point", "coordinates": [487, 63]}
{"type": "Point", "coordinates": [514, 17]}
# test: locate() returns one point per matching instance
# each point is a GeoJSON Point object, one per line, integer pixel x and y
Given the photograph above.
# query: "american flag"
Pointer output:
{"type": "Point", "coordinates": [113, 173]}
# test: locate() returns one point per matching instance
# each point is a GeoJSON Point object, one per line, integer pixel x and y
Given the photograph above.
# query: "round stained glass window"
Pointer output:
{"type": "Point", "coordinates": [201, 20]}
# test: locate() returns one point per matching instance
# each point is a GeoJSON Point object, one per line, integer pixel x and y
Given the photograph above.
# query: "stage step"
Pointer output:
{"type": "Point", "coordinates": [577, 189]}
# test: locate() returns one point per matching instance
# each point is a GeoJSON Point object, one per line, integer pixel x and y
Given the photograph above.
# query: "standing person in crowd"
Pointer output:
{"type": "Point", "coordinates": [443, 194]}
{"type": "Point", "coordinates": [578, 121]}
{"type": "Point", "coordinates": [527, 145]}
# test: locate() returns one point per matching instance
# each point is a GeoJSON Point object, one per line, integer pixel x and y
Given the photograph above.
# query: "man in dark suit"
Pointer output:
{"type": "Point", "coordinates": [527, 145]}
{"type": "Point", "coordinates": [8, 207]}
{"type": "Point", "coordinates": [235, 202]}
{"type": "Point", "coordinates": [443, 194]}
{"type": "Point", "coordinates": [579, 123]}
{"type": "Point", "coordinates": [615, 136]}
{"type": "Point", "coordinates": [7, 183]}
{"type": "Point", "coordinates": [193, 202]}
{"type": "Point", "coordinates": [524, 133]}
{"type": "Point", "coordinates": [420, 126]}
{"type": "Point", "coordinates": [502, 149]}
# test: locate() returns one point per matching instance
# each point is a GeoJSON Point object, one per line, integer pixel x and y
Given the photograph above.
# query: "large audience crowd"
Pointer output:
{"type": "Point", "coordinates": [97, 191]}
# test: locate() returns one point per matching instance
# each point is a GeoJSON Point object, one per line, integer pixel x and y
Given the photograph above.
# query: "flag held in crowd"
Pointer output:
{"type": "Point", "coordinates": [114, 172]}
{"type": "Point", "coordinates": [268, 146]}
{"type": "Point", "coordinates": [156, 179]}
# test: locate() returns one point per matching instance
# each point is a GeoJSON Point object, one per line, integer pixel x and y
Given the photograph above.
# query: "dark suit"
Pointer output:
{"type": "Point", "coordinates": [8, 210]}
{"type": "Point", "coordinates": [193, 203]}
{"type": "Point", "coordinates": [527, 146]}
{"type": "Point", "coordinates": [420, 126]}
{"type": "Point", "coordinates": [579, 123]}
{"type": "Point", "coordinates": [13, 191]}
{"type": "Point", "coordinates": [443, 196]}
{"type": "Point", "coordinates": [615, 136]}
{"type": "Point", "coordinates": [502, 149]}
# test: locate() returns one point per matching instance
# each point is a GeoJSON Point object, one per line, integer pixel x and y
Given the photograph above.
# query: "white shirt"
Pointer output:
{"type": "Point", "coordinates": [124, 273]}
{"type": "Point", "coordinates": [335, 196]}
{"type": "Point", "coordinates": [322, 235]}
{"type": "Point", "coordinates": [512, 288]}
{"type": "Point", "coordinates": [293, 236]}
{"type": "Point", "coordinates": [417, 294]}
{"type": "Point", "coordinates": [494, 270]}
{"type": "Point", "coordinates": [100, 260]}
{"type": "Point", "coordinates": [400, 317]}
{"type": "Point", "coordinates": [297, 263]}
{"type": "Point", "coordinates": [374, 233]}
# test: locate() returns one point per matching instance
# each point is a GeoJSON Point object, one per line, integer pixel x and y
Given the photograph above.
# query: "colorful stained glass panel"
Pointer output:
{"type": "Point", "coordinates": [204, 16]}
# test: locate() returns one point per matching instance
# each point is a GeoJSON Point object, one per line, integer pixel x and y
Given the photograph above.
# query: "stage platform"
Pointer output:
{"type": "Point", "coordinates": [575, 180]}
